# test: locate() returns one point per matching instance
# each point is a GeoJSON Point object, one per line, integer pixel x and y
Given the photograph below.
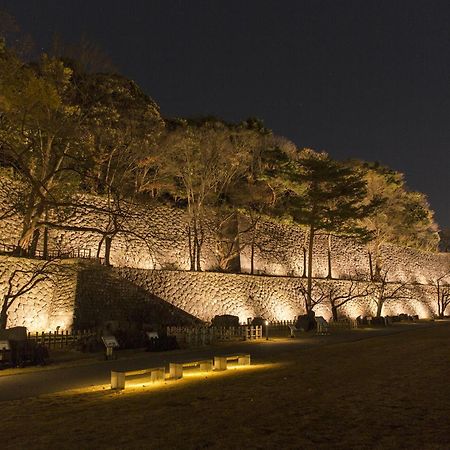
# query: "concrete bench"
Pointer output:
{"type": "Point", "coordinates": [176, 369]}
{"type": "Point", "coordinates": [118, 376]}
{"type": "Point", "coordinates": [221, 362]}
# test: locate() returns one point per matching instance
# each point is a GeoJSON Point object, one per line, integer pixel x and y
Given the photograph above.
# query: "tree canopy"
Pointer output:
{"type": "Point", "coordinates": [66, 131]}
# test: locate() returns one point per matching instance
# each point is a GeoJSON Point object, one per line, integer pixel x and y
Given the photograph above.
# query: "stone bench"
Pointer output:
{"type": "Point", "coordinates": [176, 369]}
{"type": "Point", "coordinates": [118, 376]}
{"type": "Point", "coordinates": [220, 362]}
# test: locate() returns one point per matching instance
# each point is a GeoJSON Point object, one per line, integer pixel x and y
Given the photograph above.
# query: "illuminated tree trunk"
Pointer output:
{"type": "Point", "coordinates": [304, 262]}
{"type": "Point", "coordinates": [329, 275]}
{"type": "Point", "coordinates": [371, 266]}
{"type": "Point", "coordinates": [191, 249]}
{"type": "Point", "coordinates": [108, 242]}
{"type": "Point", "coordinates": [380, 304]}
{"type": "Point", "coordinates": [45, 243]}
{"type": "Point", "coordinates": [309, 301]}
{"type": "Point", "coordinates": [252, 255]}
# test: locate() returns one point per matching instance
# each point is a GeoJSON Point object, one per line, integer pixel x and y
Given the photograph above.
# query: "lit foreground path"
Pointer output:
{"type": "Point", "coordinates": [54, 379]}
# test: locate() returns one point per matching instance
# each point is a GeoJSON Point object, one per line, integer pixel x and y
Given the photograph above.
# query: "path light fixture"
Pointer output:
{"type": "Point", "coordinates": [267, 330]}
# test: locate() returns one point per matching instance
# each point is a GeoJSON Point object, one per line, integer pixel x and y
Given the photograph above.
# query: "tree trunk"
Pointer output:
{"type": "Point", "coordinates": [334, 312]}
{"type": "Point", "coordinates": [45, 243]}
{"type": "Point", "coordinates": [198, 266]}
{"type": "Point", "coordinates": [440, 308]}
{"type": "Point", "coordinates": [191, 250]}
{"type": "Point", "coordinates": [26, 224]}
{"type": "Point", "coordinates": [304, 262]}
{"type": "Point", "coordinates": [377, 270]}
{"type": "Point", "coordinates": [329, 275]}
{"type": "Point", "coordinates": [380, 307]}
{"type": "Point", "coordinates": [34, 242]}
{"type": "Point", "coordinates": [99, 247]}
{"type": "Point", "coordinates": [310, 259]}
{"type": "Point", "coordinates": [108, 242]}
{"type": "Point", "coordinates": [4, 315]}
{"type": "Point", "coordinates": [377, 274]}
{"type": "Point", "coordinates": [252, 257]}
{"type": "Point", "coordinates": [371, 266]}
{"type": "Point", "coordinates": [199, 243]}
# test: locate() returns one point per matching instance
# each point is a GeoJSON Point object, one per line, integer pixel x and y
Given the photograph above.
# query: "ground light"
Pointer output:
{"type": "Point", "coordinates": [145, 385]}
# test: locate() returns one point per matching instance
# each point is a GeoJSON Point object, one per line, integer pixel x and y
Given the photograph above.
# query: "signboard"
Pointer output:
{"type": "Point", "coordinates": [152, 334]}
{"type": "Point", "coordinates": [4, 345]}
{"type": "Point", "coordinates": [321, 321]}
{"type": "Point", "coordinates": [110, 341]}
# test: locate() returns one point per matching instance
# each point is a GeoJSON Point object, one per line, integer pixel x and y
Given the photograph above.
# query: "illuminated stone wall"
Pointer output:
{"type": "Point", "coordinates": [281, 253]}
{"type": "Point", "coordinates": [152, 237]}
{"type": "Point", "coordinates": [275, 298]}
{"type": "Point", "coordinates": [87, 295]}
{"type": "Point", "coordinates": [49, 304]}
{"type": "Point", "coordinates": [156, 238]}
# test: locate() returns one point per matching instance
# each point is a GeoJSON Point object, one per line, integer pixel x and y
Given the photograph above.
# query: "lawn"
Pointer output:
{"type": "Point", "coordinates": [383, 392]}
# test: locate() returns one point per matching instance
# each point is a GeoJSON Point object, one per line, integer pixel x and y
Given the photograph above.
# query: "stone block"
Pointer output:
{"type": "Point", "coordinates": [117, 380]}
{"type": "Point", "coordinates": [220, 363]}
{"type": "Point", "coordinates": [175, 371]}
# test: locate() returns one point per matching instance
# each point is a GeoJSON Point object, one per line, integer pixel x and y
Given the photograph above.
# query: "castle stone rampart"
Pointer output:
{"type": "Point", "coordinates": [155, 237]}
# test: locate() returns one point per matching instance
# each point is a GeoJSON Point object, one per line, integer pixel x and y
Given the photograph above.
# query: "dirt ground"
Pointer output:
{"type": "Point", "coordinates": [386, 392]}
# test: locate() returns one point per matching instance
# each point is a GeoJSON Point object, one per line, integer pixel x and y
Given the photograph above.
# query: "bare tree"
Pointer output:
{"type": "Point", "coordinates": [339, 296]}
{"type": "Point", "coordinates": [19, 282]}
{"type": "Point", "coordinates": [442, 294]}
{"type": "Point", "coordinates": [316, 296]}
{"type": "Point", "coordinates": [202, 162]}
{"type": "Point", "coordinates": [384, 291]}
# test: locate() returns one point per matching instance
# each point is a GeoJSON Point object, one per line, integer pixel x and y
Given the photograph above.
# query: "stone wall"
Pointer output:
{"type": "Point", "coordinates": [49, 304]}
{"type": "Point", "coordinates": [156, 238]}
{"type": "Point", "coordinates": [275, 298]}
{"type": "Point", "coordinates": [281, 253]}
{"type": "Point", "coordinates": [103, 296]}
{"type": "Point", "coordinates": [86, 295]}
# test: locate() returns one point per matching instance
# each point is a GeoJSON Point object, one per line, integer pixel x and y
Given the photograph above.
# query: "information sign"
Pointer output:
{"type": "Point", "coordinates": [110, 341]}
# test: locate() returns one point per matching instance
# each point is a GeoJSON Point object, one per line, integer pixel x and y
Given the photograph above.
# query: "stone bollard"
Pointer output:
{"type": "Point", "coordinates": [117, 380]}
{"type": "Point", "coordinates": [175, 371]}
{"type": "Point", "coordinates": [220, 363]}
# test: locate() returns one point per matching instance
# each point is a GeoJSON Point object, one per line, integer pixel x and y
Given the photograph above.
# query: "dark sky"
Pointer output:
{"type": "Point", "coordinates": [368, 79]}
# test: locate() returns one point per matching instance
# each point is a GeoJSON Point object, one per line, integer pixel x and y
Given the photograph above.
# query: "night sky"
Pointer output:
{"type": "Point", "coordinates": [366, 79]}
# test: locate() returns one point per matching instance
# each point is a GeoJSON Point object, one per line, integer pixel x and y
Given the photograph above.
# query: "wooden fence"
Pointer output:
{"type": "Point", "coordinates": [197, 336]}
{"type": "Point", "coordinates": [342, 324]}
{"type": "Point", "coordinates": [60, 339]}
{"type": "Point", "coordinates": [280, 328]}
{"type": "Point", "coordinates": [79, 253]}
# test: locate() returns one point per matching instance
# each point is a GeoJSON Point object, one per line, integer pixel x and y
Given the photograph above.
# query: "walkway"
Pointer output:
{"type": "Point", "coordinates": [56, 379]}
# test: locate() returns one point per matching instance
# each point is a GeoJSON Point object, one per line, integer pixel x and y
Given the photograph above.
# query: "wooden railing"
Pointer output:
{"type": "Point", "coordinates": [60, 338]}
{"type": "Point", "coordinates": [197, 336]}
{"type": "Point", "coordinates": [79, 253]}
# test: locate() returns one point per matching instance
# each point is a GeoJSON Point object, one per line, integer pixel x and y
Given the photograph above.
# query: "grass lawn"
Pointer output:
{"type": "Point", "coordinates": [384, 392]}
